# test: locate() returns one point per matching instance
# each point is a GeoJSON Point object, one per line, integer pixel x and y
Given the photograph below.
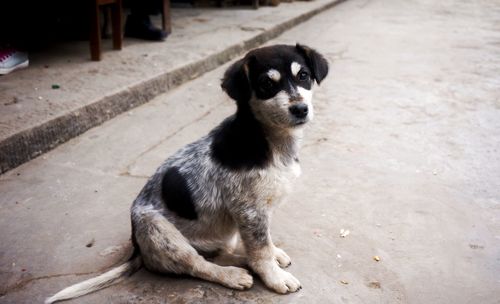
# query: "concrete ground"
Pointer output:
{"type": "Point", "coordinates": [404, 153]}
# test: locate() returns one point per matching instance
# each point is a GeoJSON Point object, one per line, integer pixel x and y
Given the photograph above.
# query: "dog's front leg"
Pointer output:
{"type": "Point", "coordinates": [262, 254]}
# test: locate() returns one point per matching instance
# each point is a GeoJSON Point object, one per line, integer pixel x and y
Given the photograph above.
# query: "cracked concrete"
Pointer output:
{"type": "Point", "coordinates": [403, 152]}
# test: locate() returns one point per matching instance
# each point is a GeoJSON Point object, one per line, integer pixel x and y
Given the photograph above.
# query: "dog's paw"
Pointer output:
{"type": "Point", "coordinates": [281, 281]}
{"type": "Point", "coordinates": [237, 278]}
{"type": "Point", "coordinates": [282, 258]}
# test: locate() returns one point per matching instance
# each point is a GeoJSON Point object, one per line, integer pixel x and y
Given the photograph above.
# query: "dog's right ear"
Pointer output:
{"type": "Point", "coordinates": [236, 82]}
{"type": "Point", "coordinates": [315, 60]}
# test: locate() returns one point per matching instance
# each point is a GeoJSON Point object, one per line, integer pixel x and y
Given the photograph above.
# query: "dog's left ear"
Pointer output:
{"type": "Point", "coordinates": [316, 62]}
{"type": "Point", "coordinates": [236, 83]}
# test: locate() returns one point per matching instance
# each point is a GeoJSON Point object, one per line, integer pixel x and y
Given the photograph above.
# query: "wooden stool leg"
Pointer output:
{"type": "Point", "coordinates": [167, 25]}
{"type": "Point", "coordinates": [95, 33]}
{"type": "Point", "coordinates": [116, 21]}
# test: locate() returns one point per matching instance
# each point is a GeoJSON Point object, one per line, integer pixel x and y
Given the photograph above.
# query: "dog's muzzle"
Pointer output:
{"type": "Point", "coordinates": [299, 110]}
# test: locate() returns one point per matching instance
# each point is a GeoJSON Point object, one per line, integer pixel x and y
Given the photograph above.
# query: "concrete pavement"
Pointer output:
{"type": "Point", "coordinates": [403, 152]}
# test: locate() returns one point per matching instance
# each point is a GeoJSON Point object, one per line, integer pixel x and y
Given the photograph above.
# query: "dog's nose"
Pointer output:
{"type": "Point", "coordinates": [299, 110]}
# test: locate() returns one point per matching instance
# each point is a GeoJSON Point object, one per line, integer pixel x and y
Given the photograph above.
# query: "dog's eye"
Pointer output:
{"type": "Point", "coordinates": [266, 83]}
{"type": "Point", "coordinates": [303, 76]}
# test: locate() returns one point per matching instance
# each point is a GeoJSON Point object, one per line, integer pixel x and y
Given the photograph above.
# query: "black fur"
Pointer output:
{"type": "Point", "coordinates": [249, 74]}
{"type": "Point", "coordinates": [315, 61]}
{"type": "Point", "coordinates": [135, 245]}
{"type": "Point", "coordinates": [177, 195]}
{"type": "Point", "coordinates": [239, 142]}
{"type": "Point", "coordinates": [235, 82]}
{"type": "Point", "coordinates": [264, 59]}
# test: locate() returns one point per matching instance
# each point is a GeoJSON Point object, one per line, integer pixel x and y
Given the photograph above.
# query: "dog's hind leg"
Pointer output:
{"type": "Point", "coordinates": [165, 249]}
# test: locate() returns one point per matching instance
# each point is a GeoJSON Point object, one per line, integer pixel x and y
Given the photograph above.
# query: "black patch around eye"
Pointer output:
{"type": "Point", "coordinates": [303, 76]}
{"type": "Point", "coordinates": [177, 195]}
{"type": "Point", "coordinates": [266, 87]}
{"type": "Point", "coordinates": [266, 84]}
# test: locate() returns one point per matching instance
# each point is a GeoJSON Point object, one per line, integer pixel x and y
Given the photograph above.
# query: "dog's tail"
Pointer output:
{"type": "Point", "coordinates": [106, 279]}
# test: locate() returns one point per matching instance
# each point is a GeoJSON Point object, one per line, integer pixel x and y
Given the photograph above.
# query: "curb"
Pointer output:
{"type": "Point", "coordinates": [28, 144]}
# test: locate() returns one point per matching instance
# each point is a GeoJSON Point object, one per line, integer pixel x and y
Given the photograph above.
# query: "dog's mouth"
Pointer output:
{"type": "Point", "coordinates": [299, 122]}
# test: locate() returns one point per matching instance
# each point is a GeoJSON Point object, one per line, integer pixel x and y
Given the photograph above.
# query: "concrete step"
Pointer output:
{"type": "Point", "coordinates": [35, 117]}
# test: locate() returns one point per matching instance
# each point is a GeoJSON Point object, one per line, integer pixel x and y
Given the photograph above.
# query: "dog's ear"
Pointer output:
{"type": "Point", "coordinates": [236, 82]}
{"type": "Point", "coordinates": [316, 62]}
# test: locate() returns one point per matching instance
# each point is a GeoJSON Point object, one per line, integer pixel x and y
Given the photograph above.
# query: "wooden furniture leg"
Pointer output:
{"type": "Point", "coordinates": [116, 23]}
{"type": "Point", "coordinates": [95, 29]}
{"type": "Point", "coordinates": [166, 19]}
{"type": "Point", "coordinates": [95, 33]}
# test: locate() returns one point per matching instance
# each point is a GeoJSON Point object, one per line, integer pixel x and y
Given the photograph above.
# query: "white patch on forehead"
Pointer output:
{"type": "Point", "coordinates": [274, 75]}
{"type": "Point", "coordinates": [295, 68]}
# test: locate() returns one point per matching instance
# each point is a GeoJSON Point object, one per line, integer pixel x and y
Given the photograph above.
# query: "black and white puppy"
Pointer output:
{"type": "Point", "coordinates": [223, 187]}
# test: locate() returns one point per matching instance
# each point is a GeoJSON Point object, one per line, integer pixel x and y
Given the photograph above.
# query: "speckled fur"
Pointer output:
{"type": "Point", "coordinates": [227, 202]}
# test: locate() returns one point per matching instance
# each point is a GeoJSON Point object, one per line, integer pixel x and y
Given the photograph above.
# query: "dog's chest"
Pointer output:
{"type": "Point", "coordinates": [276, 181]}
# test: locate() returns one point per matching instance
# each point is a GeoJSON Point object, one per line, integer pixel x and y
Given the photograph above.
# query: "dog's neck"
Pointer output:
{"type": "Point", "coordinates": [284, 143]}
{"type": "Point", "coordinates": [244, 142]}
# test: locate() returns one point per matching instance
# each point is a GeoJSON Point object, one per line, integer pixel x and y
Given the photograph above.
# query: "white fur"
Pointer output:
{"type": "Point", "coordinates": [274, 75]}
{"type": "Point", "coordinates": [296, 170]}
{"type": "Point", "coordinates": [281, 257]}
{"type": "Point", "coordinates": [307, 98]}
{"type": "Point", "coordinates": [97, 283]}
{"type": "Point", "coordinates": [276, 278]}
{"type": "Point", "coordinates": [295, 68]}
{"type": "Point", "coordinates": [272, 112]}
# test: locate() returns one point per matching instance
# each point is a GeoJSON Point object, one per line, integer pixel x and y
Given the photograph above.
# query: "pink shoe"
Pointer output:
{"type": "Point", "coordinates": [12, 59]}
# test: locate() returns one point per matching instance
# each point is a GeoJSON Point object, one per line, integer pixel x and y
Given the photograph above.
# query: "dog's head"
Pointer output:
{"type": "Point", "coordinates": [275, 84]}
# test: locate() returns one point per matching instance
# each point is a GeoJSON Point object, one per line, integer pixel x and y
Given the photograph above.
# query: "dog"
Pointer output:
{"type": "Point", "coordinates": [223, 187]}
